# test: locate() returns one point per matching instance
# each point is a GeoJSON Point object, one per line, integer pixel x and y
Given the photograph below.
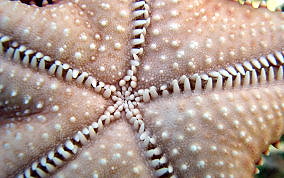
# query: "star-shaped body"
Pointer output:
{"type": "Point", "coordinates": [166, 88]}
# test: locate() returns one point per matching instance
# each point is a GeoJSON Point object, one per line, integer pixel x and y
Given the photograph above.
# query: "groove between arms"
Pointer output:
{"type": "Point", "coordinates": [57, 157]}
{"type": "Point", "coordinates": [249, 73]}
{"type": "Point", "coordinates": [141, 21]}
{"type": "Point", "coordinates": [27, 57]}
{"type": "Point", "coordinates": [156, 158]}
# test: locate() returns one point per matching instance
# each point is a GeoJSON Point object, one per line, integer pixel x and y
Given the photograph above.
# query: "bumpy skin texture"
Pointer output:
{"type": "Point", "coordinates": [216, 133]}
{"type": "Point", "coordinates": [210, 35]}
{"type": "Point", "coordinates": [35, 115]}
{"type": "Point", "coordinates": [120, 152]}
{"type": "Point", "coordinates": [90, 35]}
{"type": "Point", "coordinates": [194, 129]}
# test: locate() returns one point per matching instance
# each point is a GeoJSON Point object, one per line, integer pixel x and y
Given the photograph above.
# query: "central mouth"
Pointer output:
{"type": "Point", "coordinates": [39, 3]}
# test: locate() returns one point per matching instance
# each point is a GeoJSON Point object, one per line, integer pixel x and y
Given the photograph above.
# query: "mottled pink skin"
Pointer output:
{"type": "Point", "coordinates": [216, 133]}
{"type": "Point", "coordinates": [41, 112]}
{"type": "Point", "coordinates": [118, 146]}
{"type": "Point", "coordinates": [185, 38]}
{"type": "Point", "coordinates": [92, 37]}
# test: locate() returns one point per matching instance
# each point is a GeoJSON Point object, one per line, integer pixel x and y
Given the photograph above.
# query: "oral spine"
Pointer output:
{"type": "Point", "coordinates": [269, 4]}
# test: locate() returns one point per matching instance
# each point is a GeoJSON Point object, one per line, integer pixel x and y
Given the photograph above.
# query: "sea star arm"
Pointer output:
{"type": "Point", "coordinates": [37, 113]}
{"type": "Point", "coordinates": [185, 38]}
{"type": "Point", "coordinates": [116, 149]}
{"type": "Point", "coordinates": [219, 133]}
{"type": "Point", "coordinates": [90, 35]}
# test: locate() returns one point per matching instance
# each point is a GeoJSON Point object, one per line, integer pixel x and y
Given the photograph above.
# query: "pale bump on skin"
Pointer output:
{"type": "Point", "coordinates": [93, 38]}
{"type": "Point", "coordinates": [220, 133]}
{"type": "Point", "coordinates": [115, 149]}
{"type": "Point", "coordinates": [197, 36]}
{"type": "Point", "coordinates": [38, 112]}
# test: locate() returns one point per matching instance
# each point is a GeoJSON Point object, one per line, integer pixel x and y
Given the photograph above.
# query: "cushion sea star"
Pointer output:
{"type": "Point", "coordinates": [171, 88]}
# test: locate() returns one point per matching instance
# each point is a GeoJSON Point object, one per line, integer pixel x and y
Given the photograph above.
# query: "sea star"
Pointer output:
{"type": "Point", "coordinates": [172, 88]}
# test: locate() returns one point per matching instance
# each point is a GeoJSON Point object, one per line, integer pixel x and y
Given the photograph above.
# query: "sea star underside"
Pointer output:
{"type": "Point", "coordinates": [119, 88]}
